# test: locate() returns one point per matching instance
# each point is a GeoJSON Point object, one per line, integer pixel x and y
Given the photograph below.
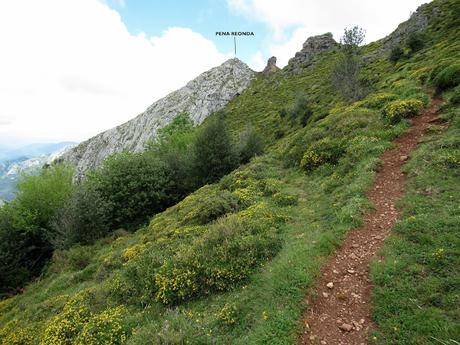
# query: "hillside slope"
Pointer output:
{"type": "Point", "coordinates": [232, 262]}
{"type": "Point", "coordinates": [202, 96]}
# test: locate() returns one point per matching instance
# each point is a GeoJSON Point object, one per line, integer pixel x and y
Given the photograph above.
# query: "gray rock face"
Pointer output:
{"type": "Point", "coordinates": [271, 66]}
{"type": "Point", "coordinates": [417, 22]}
{"type": "Point", "coordinates": [202, 96]}
{"type": "Point", "coordinates": [312, 47]}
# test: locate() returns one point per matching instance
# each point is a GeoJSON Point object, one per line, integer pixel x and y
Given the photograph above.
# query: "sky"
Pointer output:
{"type": "Point", "coordinates": [70, 69]}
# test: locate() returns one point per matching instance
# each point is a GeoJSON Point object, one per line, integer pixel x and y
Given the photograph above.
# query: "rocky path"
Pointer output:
{"type": "Point", "coordinates": [339, 311]}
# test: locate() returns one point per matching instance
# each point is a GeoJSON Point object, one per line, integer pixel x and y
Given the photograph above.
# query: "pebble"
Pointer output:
{"type": "Point", "coordinates": [346, 327]}
{"type": "Point", "coordinates": [325, 295]}
{"type": "Point", "coordinates": [330, 285]}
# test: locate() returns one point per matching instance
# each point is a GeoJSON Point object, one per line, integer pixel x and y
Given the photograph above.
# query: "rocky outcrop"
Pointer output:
{"type": "Point", "coordinates": [312, 47]}
{"type": "Point", "coordinates": [209, 92]}
{"type": "Point", "coordinates": [417, 23]}
{"type": "Point", "coordinates": [271, 66]}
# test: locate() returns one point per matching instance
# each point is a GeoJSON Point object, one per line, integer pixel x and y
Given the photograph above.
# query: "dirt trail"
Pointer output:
{"type": "Point", "coordinates": [340, 313]}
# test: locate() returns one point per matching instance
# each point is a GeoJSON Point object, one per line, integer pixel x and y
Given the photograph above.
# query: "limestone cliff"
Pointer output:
{"type": "Point", "coordinates": [202, 96]}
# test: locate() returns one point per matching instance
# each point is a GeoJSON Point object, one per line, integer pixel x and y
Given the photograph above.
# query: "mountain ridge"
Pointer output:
{"type": "Point", "coordinates": [200, 97]}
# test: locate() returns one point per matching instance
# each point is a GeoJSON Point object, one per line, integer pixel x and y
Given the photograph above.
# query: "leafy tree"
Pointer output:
{"type": "Point", "coordinates": [346, 72]}
{"type": "Point", "coordinates": [251, 144]}
{"type": "Point", "coordinates": [415, 41]}
{"type": "Point", "coordinates": [134, 186]}
{"type": "Point", "coordinates": [396, 54]}
{"type": "Point", "coordinates": [25, 225]}
{"type": "Point", "coordinates": [173, 147]}
{"type": "Point", "coordinates": [214, 152]}
{"type": "Point", "coordinates": [83, 219]}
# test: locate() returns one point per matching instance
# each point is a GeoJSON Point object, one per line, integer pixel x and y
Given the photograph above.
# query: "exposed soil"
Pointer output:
{"type": "Point", "coordinates": [339, 310]}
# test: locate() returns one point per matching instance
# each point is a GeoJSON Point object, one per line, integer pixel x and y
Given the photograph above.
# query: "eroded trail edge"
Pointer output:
{"type": "Point", "coordinates": [339, 310]}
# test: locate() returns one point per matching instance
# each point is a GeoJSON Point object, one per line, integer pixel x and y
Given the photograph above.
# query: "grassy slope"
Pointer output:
{"type": "Point", "coordinates": [236, 257]}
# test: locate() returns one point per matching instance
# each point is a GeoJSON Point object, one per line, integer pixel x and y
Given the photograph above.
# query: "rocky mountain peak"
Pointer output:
{"type": "Point", "coordinates": [199, 98]}
{"type": "Point", "coordinates": [311, 48]}
{"type": "Point", "coordinates": [271, 66]}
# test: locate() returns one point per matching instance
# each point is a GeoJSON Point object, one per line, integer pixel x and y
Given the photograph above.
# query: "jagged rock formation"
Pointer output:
{"type": "Point", "coordinates": [312, 47]}
{"type": "Point", "coordinates": [207, 93]}
{"type": "Point", "coordinates": [271, 66]}
{"type": "Point", "coordinates": [417, 22]}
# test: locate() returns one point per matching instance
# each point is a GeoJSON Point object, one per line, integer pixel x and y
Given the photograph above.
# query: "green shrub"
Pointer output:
{"type": "Point", "coordinates": [398, 110]}
{"type": "Point", "coordinates": [222, 258]}
{"type": "Point", "coordinates": [26, 233]}
{"type": "Point", "coordinates": [83, 219]}
{"type": "Point", "coordinates": [455, 98]}
{"type": "Point", "coordinates": [299, 112]}
{"type": "Point", "coordinates": [133, 186]}
{"type": "Point", "coordinates": [214, 152]}
{"type": "Point", "coordinates": [282, 199]}
{"type": "Point", "coordinates": [415, 41]}
{"type": "Point", "coordinates": [212, 204]}
{"type": "Point", "coordinates": [106, 328]}
{"type": "Point", "coordinates": [448, 77]}
{"type": "Point", "coordinates": [251, 144]}
{"type": "Point", "coordinates": [378, 100]}
{"type": "Point", "coordinates": [324, 151]}
{"type": "Point", "coordinates": [396, 54]}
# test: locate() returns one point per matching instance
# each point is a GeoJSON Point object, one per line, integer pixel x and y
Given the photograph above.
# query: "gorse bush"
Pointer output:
{"type": "Point", "coordinates": [324, 151]}
{"type": "Point", "coordinates": [398, 110]}
{"type": "Point", "coordinates": [447, 77]}
{"type": "Point", "coordinates": [222, 258]}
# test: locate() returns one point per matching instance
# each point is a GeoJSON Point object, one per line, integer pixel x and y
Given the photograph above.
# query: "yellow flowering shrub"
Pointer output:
{"type": "Point", "coordinates": [228, 314]}
{"type": "Point", "coordinates": [175, 283]}
{"type": "Point", "coordinates": [14, 334]}
{"type": "Point", "coordinates": [283, 199]}
{"type": "Point", "coordinates": [222, 257]}
{"type": "Point", "coordinates": [64, 327]}
{"type": "Point", "coordinates": [398, 110]}
{"type": "Point", "coordinates": [105, 328]}
{"type": "Point", "coordinates": [326, 150]}
{"type": "Point", "coordinates": [133, 251]}
{"type": "Point", "coordinates": [378, 100]}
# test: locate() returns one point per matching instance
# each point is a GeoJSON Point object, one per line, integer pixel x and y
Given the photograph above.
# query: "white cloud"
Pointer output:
{"type": "Point", "coordinates": [314, 17]}
{"type": "Point", "coordinates": [256, 61]}
{"type": "Point", "coordinates": [70, 69]}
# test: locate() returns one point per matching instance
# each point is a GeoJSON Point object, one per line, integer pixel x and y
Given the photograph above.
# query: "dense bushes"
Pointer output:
{"type": "Point", "coordinates": [324, 151]}
{"type": "Point", "coordinates": [214, 153]}
{"type": "Point", "coordinates": [50, 213]}
{"type": "Point", "coordinates": [134, 186]}
{"type": "Point", "coordinates": [222, 258]}
{"type": "Point", "coordinates": [299, 112]}
{"type": "Point", "coordinates": [447, 78]}
{"type": "Point", "coordinates": [398, 110]}
{"type": "Point", "coordinates": [84, 218]}
{"type": "Point", "coordinates": [455, 98]}
{"type": "Point", "coordinates": [26, 230]}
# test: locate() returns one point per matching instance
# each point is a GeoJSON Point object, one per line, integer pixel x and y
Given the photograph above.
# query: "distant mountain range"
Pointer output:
{"type": "Point", "coordinates": [26, 159]}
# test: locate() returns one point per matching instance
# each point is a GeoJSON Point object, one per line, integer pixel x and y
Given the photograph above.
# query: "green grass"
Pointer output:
{"type": "Point", "coordinates": [417, 294]}
{"type": "Point", "coordinates": [232, 262]}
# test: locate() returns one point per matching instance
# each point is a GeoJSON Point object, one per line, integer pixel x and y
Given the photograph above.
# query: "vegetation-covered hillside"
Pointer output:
{"type": "Point", "coordinates": [233, 261]}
